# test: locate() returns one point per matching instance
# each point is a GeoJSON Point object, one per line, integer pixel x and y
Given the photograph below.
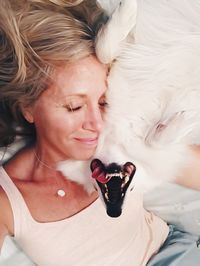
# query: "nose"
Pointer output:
{"type": "Point", "coordinates": [93, 119]}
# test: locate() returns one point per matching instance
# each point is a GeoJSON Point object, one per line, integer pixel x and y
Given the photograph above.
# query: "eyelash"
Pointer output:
{"type": "Point", "coordinates": [70, 109]}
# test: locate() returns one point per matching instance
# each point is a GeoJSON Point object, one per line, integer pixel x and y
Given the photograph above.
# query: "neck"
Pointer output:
{"type": "Point", "coordinates": [43, 163]}
{"type": "Point", "coordinates": [48, 154]}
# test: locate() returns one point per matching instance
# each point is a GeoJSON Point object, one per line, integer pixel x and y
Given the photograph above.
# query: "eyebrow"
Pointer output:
{"type": "Point", "coordinates": [71, 96]}
{"type": "Point", "coordinates": [76, 95]}
{"type": "Point", "coordinates": [82, 95]}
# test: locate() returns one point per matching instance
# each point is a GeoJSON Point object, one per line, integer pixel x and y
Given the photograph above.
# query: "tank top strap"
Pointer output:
{"type": "Point", "coordinates": [18, 205]}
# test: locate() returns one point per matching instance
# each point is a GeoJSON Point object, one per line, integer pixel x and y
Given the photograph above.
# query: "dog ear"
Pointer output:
{"type": "Point", "coordinates": [129, 168]}
{"type": "Point", "coordinates": [111, 36]}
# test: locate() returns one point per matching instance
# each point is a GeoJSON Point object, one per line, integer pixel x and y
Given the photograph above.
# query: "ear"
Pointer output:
{"type": "Point", "coordinates": [111, 36]}
{"type": "Point", "coordinates": [28, 114]}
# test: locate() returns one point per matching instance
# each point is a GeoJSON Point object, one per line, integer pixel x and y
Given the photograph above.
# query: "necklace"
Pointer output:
{"type": "Point", "coordinates": [60, 192]}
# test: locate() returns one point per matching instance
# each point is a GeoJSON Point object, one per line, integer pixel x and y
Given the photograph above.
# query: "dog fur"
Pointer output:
{"type": "Point", "coordinates": [154, 90]}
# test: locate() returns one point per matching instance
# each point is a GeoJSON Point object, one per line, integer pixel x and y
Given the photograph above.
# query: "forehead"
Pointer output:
{"type": "Point", "coordinates": [86, 76]}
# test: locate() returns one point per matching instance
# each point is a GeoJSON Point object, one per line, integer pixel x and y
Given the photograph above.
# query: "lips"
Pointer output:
{"type": "Point", "coordinates": [87, 141]}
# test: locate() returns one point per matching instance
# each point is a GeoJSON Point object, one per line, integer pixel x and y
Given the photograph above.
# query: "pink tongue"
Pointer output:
{"type": "Point", "coordinates": [102, 178]}
{"type": "Point", "coordinates": [99, 175]}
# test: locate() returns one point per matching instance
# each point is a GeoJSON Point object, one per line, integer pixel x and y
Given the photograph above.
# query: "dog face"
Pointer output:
{"type": "Point", "coordinates": [113, 181]}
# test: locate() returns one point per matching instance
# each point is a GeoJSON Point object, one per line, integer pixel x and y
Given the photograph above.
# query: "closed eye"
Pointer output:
{"type": "Point", "coordinates": [73, 109]}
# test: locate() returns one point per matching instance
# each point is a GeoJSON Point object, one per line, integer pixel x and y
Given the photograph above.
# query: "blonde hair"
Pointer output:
{"type": "Point", "coordinates": [35, 36]}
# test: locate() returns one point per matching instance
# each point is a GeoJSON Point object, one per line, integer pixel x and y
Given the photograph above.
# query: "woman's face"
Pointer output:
{"type": "Point", "coordinates": [68, 116]}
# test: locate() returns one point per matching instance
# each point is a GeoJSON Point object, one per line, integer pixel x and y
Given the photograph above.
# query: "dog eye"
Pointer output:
{"type": "Point", "coordinates": [103, 103]}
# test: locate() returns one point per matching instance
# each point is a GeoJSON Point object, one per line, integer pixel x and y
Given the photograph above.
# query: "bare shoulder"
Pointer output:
{"type": "Point", "coordinates": [6, 217]}
{"type": "Point", "coordinates": [16, 168]}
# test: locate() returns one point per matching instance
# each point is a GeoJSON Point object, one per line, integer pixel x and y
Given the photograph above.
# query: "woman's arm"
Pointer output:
{"type": "Point", "coordinates": [190, 175]}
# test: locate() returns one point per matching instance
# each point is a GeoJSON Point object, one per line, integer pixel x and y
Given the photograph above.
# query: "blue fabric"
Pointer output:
{"type": "Point", "coordinates": [179, 249]}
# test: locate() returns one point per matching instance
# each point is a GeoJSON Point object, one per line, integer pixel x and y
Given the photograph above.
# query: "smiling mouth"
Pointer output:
{"type": "Point", "coordinates": [87, 141]}
{"type": "Point", "coordinates": [113, 181]}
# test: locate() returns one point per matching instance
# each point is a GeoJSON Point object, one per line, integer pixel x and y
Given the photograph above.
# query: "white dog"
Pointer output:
{"type": "Point", "coordinates": [154, 90]}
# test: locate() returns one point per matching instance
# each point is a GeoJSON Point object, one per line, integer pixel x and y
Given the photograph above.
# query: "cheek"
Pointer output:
{"type": "Point", "coordinates": [66, 125]}
{"type": "Point", "coordinates": [63, 122]}
{"type": "Point", "coordinates": [51, 121]}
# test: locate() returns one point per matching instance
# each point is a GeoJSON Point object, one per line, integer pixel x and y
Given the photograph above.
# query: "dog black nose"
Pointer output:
{"type": "Point", "coordinates": [113, 212]}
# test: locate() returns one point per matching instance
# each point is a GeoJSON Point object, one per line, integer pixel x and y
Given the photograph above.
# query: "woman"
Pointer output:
{"type": "Point", "coordinates": [53, 89]}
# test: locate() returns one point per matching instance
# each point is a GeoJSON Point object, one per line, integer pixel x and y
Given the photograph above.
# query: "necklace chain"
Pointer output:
{"type": "Point", "coordinates": [46, 165]}
{"type": "Point", "coordinates": [60, 192]}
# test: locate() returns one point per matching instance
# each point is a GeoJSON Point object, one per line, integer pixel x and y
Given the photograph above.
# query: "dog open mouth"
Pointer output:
{"type": "Point", "coordinates": [113, 180]}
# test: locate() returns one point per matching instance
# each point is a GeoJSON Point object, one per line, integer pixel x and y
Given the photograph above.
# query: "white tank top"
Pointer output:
{"type": "Point", "coordinates": [89, 238]}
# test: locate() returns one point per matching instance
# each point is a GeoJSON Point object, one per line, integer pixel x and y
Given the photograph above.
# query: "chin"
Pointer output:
{"type": "Point", "coordinates": [83, 155]}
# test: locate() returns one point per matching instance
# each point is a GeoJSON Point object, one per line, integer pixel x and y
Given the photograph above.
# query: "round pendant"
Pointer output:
{"type": "Point", "coordinates": [61, 193]}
